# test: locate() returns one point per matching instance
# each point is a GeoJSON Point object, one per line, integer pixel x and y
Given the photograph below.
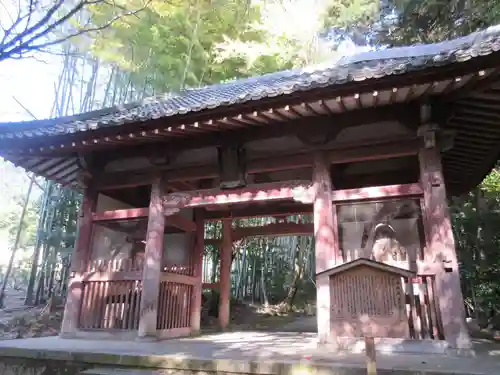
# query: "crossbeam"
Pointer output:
{"type": "Point", "coordinates": [177, 221]}
{"type": "Point", "coordinates": [277, 191]}
{"type": "Point", "coordinates": [340, 153]}
{"type": "Point", "coordinates": [377, 192]}
{"type": "Point", "coordinates": [268, 230]}
{"type": "Point", "coordinates": [273, 230]}
{"type": "Point", "coordinates": [299, 191]}
{"type": "Point", "coordinates": [124, 214]}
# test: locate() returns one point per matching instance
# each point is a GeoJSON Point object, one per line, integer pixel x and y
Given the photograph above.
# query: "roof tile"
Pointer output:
{"type": "Point", "coordinates": [359, 67]}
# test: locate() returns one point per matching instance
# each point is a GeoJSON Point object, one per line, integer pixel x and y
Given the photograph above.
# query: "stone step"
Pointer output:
{"type": "Point", "coordinates": [293, 370]}
{"type": "Point", "coordinates": [128, 371]}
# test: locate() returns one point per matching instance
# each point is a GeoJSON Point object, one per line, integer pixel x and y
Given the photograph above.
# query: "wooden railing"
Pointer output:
{"type": "Point", "coordinates": [174, 306]}
{"type": "Point", "coordinates": [111, 297]}
{"type": "Point", "coordinates": [178, 269]}
{"type": "Point", "coordinates": [422, 308]}
{"type": "Point", "coordinates": [125, 265]}
{"type": "Point", "coordinates": [110, 305]}
{"type": "Point", "coordinates": [113, 265]}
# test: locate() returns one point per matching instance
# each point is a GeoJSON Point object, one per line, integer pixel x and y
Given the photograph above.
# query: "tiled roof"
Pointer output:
{"type": "Point", "coordinates": [359, 67]}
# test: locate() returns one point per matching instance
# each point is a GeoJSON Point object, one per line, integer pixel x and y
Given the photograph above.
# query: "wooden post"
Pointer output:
{"type": "Point", "coordinates": [199, 247]}
{"type": "Point", "coordinates": [325, 243]}
{"type": "Point", "coordinates": [371, 360]}
{"type": "Point", "coordinates": [153, 258]}
{"type": "Point", "coordinates": [79, 261]}
{"type": "Point", "coordinates": [225, 274]}
{"type": "Point", "coordinates": [441, 247]}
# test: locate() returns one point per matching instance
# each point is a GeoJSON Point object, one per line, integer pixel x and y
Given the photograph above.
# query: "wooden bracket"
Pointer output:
{"type": "Point", "coordinates": [232, 166]}
{"type": "Point", "coordinates": [428, 132]}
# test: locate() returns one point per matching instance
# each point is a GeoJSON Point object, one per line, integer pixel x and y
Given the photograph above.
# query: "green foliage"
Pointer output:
{"type": "Point", "coordinates": [476, 219]}
{"type": "Point", "coordinates": [427, 21]}
{"type": "Point", "coordinates": [170, 46]}
{"type": "Point", "coordinates": [14, 184]}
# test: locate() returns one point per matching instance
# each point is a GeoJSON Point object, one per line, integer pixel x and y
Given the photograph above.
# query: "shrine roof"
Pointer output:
{"type": "Point", "coordinates": [366, 263]}
{"type": "Point", "coordinates": [358, 67]}
{"type": "Point", "coordinates": [460, 79]}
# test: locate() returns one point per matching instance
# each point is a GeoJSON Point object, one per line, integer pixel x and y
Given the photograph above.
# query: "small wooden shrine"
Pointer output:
{"type": "Point", "coordinates": [371, 146]}
{"type": "Point", "coordinates": [368, 298]}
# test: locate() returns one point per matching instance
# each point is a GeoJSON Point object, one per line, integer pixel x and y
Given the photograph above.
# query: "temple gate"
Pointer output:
{"type": "Point", "coordinates": [368, 146]}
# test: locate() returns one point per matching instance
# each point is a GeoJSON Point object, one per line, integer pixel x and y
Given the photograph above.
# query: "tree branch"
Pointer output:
{"type": "Point", "coordinates": [16, 45]}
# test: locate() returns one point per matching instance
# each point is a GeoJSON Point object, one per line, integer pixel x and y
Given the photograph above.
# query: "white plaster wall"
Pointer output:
{"type": "Point", "coordinates": [178, 246]}
{"type": "Point", "coordinates": [176, 249]}
{"type": "Point", "coordinates": [109, 244]}
{"type": "Point", "coordinates": [105, 203]}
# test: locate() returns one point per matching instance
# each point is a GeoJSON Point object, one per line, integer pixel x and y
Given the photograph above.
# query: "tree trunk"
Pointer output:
{"type": "Point", "coordinates": [298, 273]}
{"type": "Point", "coordinates": [16, 242]}
{"type": "Point", "coordinates": [29, 299]}
{"type": "Point", "coordinates": [263, 269]}
{"type": "Point", "coordinates": [241, 273]}
{"type": "Point", "coordinates": [254, 279]}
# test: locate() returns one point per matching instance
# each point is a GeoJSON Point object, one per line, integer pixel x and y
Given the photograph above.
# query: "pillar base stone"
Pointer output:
{"type": "Point", "coordinates": [67, 335]}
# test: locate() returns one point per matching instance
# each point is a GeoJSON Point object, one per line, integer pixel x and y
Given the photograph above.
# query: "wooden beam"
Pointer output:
{"type": "Point", "coordinates": [152, 273]}
{"type": "Point", "coordinates": [326, 242]}
{"type": "Point", "coordinates": [440, 245]}
{"type": "Point", "coordinates": [225, 274]}
{"type": "Point", "coordinates": [340, 153]}
{"type": "Point", "coordinates": [213, 241]}
{"type": "Point", "coordinates": [274, 128]}
{"type": "Point", "coordinates": [275, 229]}
{"type": "Point", "coordinates": [393, 148]}
{"type": "Point", "coordinates": [130, 213]}
{"type": "Point", "coordinates": [477, 83]}
{"type": "Point", "coordinates": [197, 262]}
{"type": "Point", "coordinates": [210, 285]}
{"type": "Point", "coordinates": [269, 209]}
{"type": "Point", "coordinates": [338, 196]}
{"type": "Point", "coordinates": [79, 263]}
{"type": "Point", "coordinates": [177, 221]}
{"type": "Point", "coordinates": [371, 357]}
{"type": "Point", "coordinates": [180, 222]}
{"type": "Point", "coordinates": [377, 192]}
{"type": "Point", "coordinates": [277, 191]}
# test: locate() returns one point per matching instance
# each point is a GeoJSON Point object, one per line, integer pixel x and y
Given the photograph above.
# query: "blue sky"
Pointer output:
{"type": "Point", "coordinates": [31, 82]}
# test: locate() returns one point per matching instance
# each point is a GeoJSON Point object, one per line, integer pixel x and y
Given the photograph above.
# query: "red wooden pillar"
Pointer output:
{"type": "Point", "coordinates": [79, 261]}
{"type": "Point", "coordinates": [225, 273]}
{"type": "Point", "coordinates": [153, 256]}
{"type": "Point", "coordinates": [199, 247]}
{"type": "Point", "coordinates": [441, 246]}
{"type": "Point", "coordinates": [325, 234]}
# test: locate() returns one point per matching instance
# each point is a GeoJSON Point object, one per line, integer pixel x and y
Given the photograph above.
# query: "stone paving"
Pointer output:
{"type": "Point", "coordinates": [250, 352]}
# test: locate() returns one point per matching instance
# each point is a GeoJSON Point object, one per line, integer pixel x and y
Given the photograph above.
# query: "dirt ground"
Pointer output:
{"type": "Point", "coordinates": [19, 321]}
{"type": "Point", "coordinates": [253, 317]}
